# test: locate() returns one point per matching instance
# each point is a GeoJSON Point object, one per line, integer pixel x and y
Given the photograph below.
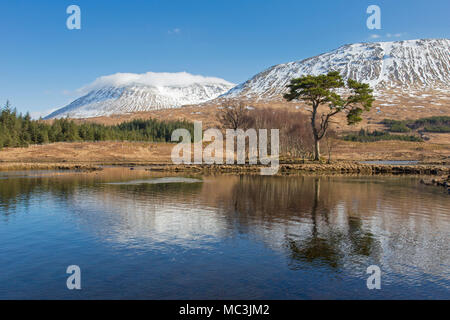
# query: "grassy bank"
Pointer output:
{"type": "Point", "coordinates": [342, 167]}
{"type": "Point", "coordinates": [338, 167]}
{"type": "Point", "coordinates": [345, 156]}
{"type": "Point", "coordinates": [19, 166]}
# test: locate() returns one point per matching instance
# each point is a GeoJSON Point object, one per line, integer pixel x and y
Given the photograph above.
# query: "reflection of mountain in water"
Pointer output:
{"type": "Point", "coordinates": [342, 221]}
{"type": "Point", "coordinates": [149, 215]}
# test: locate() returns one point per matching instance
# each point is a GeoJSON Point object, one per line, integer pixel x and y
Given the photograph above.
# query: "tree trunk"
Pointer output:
{"type": "Point", "coordinates": [315, 132]}
{"type": "Point", "coordinates": [316, 149]}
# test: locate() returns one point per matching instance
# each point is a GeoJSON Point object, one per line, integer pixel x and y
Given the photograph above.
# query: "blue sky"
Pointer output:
{"type": "Point", "coordinates": [42, 63]}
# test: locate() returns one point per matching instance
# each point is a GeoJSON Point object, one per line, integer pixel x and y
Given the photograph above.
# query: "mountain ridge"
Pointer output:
{"type": "Point", "coordinates": [396, 70]}
{"type": "Point", "coordinates": [409, 64]}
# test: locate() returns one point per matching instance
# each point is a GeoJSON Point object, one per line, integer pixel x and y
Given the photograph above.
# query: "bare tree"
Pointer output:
{"type": "Point", "coordinates": [296, 139]}
{"type": "Point", "coordinates": [331, 141]}
{"type": "Point", "coordinates": [234, 116]}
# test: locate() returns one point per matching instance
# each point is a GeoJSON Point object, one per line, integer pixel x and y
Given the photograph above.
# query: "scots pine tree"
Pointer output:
{"type": "Point", "coordinates": [320, 93]}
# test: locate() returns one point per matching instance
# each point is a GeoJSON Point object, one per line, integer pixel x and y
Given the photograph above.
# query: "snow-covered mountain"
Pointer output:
{"type": "Point", "coordinates": [402, 66]}
{"type": "Point", "coordinates": [126, 92]}
{"type": "Point", "coordinates": [411, 64]}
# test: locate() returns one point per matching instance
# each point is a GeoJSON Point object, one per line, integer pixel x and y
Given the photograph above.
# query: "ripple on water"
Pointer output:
{"type": "Point", "coordinates": [157, 181]}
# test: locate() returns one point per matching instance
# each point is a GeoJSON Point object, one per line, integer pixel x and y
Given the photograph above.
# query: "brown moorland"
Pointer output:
{"type": "Point", "coordinates": [389, 105]}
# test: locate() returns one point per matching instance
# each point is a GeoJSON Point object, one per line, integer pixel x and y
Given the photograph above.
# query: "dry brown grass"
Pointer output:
{"type": "Point", "coordinates": [43, 156]}
{"type": "Point", "coordinates": [394, 150]}
{"type": "Point", "coordinates": [390, 105]}
{"type": "Point", "coordinates": [90, 152]}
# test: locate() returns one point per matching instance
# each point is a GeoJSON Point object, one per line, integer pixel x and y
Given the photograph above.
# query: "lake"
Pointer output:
{"type": "Point", "coordinates": [141, 235]}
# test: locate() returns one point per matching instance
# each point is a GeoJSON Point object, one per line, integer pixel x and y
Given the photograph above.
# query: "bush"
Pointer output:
{"type": "Point", "coordinates": [438, 129]}
{"type": "Point", "coordinates": [399, 127]}
{"type": "Point", "coordinates": [296, 137]}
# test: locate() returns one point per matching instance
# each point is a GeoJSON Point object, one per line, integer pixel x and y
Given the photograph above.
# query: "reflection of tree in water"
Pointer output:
{"type": "Point", "coordinates": [313, 201]}
{"type": "Point", "coordinates": [15, 190]}
{"type": "Point", "coordinates": [22, 189]}
{"type": "Point", "coordinates": [143, 190]}
{"type": "Point", "coordinates": [363, 241]}
{"type": "Point", "coordinates": [316, 247]}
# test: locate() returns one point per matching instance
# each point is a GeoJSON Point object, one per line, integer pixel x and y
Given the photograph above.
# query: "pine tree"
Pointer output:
{"type": "Point", "coordinates": [319, 91]}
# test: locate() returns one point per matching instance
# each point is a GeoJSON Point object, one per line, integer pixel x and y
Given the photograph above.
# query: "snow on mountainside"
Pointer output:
{"type": "Point", "coordinates": [126, 92]}
{"type": "Point", "coordinates": [410, 65]}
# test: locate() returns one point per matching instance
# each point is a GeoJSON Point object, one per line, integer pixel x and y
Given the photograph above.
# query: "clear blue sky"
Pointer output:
{"type": "Point", "coordinates": [42, 63]}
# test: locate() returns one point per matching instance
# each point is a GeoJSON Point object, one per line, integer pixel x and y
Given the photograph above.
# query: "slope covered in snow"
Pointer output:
{"type": "Point", "coordinates": [126, 92]}
{"type": "Point", "coordinates": [411, 64]}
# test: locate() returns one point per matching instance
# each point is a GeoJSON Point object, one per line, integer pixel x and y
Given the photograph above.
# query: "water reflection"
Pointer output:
{"type": "Point", "coordinates": [334, 224]}
{"type": "Point", "coordinates": [340, 221]}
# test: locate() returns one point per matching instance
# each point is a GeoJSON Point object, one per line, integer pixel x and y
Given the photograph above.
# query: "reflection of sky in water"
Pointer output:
{"type": "Point", "coordinates": [141, 220]}
{"type": "Point", "coordinates": [266, 236]}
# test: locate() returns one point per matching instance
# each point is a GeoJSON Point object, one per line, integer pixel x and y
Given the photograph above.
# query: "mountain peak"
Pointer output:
{"type": "Point", "coordinates": [129, 92]}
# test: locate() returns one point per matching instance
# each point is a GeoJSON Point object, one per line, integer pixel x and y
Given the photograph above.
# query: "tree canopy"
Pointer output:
{"type": "Point", "coordinates": [322, 90]}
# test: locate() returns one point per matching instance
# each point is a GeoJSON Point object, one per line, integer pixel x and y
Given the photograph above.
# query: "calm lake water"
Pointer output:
{"type": "Point", "coordinates": [141, 236]}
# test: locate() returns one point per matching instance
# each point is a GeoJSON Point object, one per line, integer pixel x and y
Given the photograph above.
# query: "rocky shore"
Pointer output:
{"type": "Point", "coordinates": [347, 167]}
{"type": "Point", "coordinates": [441, 181]}
{"type": "Point", "coordinates": [16, 166]}
{"type": "Point", "coordinates": [338, 167]}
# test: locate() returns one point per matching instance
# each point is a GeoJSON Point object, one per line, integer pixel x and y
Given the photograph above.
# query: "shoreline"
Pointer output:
{"type": "Point", "coordinates": [284, 168]}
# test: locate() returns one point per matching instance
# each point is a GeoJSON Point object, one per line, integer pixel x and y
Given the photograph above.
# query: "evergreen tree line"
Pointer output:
{"type": "Point", "coordinates": [430, 124]}
{"type": "Point", "coordinates": [366, 136]}
{"type": "Point", "coordinates": [17, 130]}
